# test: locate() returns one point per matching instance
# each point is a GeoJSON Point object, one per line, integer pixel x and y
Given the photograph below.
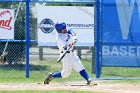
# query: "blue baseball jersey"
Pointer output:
{"type": "Point", "coordinates": [63, 40]}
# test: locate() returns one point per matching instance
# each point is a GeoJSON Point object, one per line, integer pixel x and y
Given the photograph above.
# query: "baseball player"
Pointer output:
{"type": "Point", "coordinates": [65, 38]}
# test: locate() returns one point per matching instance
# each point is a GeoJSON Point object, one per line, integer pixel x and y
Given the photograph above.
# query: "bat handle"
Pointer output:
{"type": "Point", "coordinates": [58, 61]}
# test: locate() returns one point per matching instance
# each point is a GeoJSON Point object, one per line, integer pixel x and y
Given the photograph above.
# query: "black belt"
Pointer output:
{"type": "Point", "coordinates": [67, 51]}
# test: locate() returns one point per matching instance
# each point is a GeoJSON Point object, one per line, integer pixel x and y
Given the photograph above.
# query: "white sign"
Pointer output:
{"type": "Point", "coordinates": [78, 18]}
{"type": "Point", "coordinates": [6, 24]}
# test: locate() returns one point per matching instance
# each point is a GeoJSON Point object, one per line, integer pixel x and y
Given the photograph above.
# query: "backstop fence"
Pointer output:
{"type": "Point", "coordinates": [25, 56]}
{"type": "Point", "coordinates": [108, 32]}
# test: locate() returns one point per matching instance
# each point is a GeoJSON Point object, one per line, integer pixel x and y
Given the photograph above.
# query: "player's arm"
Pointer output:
{"type": "Point", "coordinates": [71, 32]}
{"type": "Point", "coordinates": [62, 45]}
{"type": "Point", "coordinates": [74, 37]}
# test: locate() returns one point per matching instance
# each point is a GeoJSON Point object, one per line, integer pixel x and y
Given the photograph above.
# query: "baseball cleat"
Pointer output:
{"type": "Point", "coordinates": [88, 82]}
{"type": "Point", "coordinates": [48, 79]}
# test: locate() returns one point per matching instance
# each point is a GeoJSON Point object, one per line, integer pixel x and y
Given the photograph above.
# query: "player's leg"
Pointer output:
{"type": "Point", "coordinates": [67, 67]}
{"type": "Point", "coordinates": [77, 66]}
{"type": "Point", "coordinates": [84, 74]}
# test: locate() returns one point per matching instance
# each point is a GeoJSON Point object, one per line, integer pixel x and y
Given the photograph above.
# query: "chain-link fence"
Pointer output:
{"type": "Point", "coordinates": [120, 42]}
{"type": "Point", "coordinates": [42, 59]}
{"type": "Point", "coordinates": [15, 48]}
{"type": "Point", "coordinates": [117, 48]}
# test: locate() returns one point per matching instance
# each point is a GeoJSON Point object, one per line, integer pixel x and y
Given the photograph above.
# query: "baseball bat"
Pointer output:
{"type": "Point", "coordinates": [62, 56]}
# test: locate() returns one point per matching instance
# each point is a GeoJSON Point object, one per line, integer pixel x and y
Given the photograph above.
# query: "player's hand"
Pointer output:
{"type": "Point", "coordinates": [70, 45]}
{"type": "Point", "coordinates": [65, 47]}
{"type": "Point", "coordinates": [75, 40]}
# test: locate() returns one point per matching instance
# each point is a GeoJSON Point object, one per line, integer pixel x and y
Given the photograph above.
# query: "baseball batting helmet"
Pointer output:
{"type": "Point", "coordinates": [60, 26]}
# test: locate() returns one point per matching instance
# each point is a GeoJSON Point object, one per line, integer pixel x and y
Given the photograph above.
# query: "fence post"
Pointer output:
{"type": "Point", "coordinates": [79, 53]}
{"type": "Point", "coordinates": [40, 53]}
{"type": "Point", "coordinates": [98, 38]}
{"type": "Point", "coordinates": [93, 60]}
{"type": "Point", "coordinates": [27, 39]}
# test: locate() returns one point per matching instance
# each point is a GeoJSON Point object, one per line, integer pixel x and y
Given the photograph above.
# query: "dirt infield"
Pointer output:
{"type": "Point", "coordinates": [80, 86]}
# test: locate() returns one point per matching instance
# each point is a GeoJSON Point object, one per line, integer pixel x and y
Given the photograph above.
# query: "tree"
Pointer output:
{"type": "Point", "coordinates": [16, 50]}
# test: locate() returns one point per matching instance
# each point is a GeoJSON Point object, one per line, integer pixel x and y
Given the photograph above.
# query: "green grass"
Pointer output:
{"type": "Point", "coordinates": [18, 76]}
{"type": "Point", "coordinates": [116, 72]}
{"type": "Point", "coordinates": [39, 75]}
{"type": "Point", "coordinates": [48, 91]}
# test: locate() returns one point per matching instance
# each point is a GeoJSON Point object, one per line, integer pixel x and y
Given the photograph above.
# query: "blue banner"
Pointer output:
{"type": "Point", "coordinates": [66, 0]}
{"type": "Point", "coordinates": [121, 33]}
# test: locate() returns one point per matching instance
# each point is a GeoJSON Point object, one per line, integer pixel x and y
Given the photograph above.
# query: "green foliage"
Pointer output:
{"type": "Point", "coordinates": [17, 49]}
